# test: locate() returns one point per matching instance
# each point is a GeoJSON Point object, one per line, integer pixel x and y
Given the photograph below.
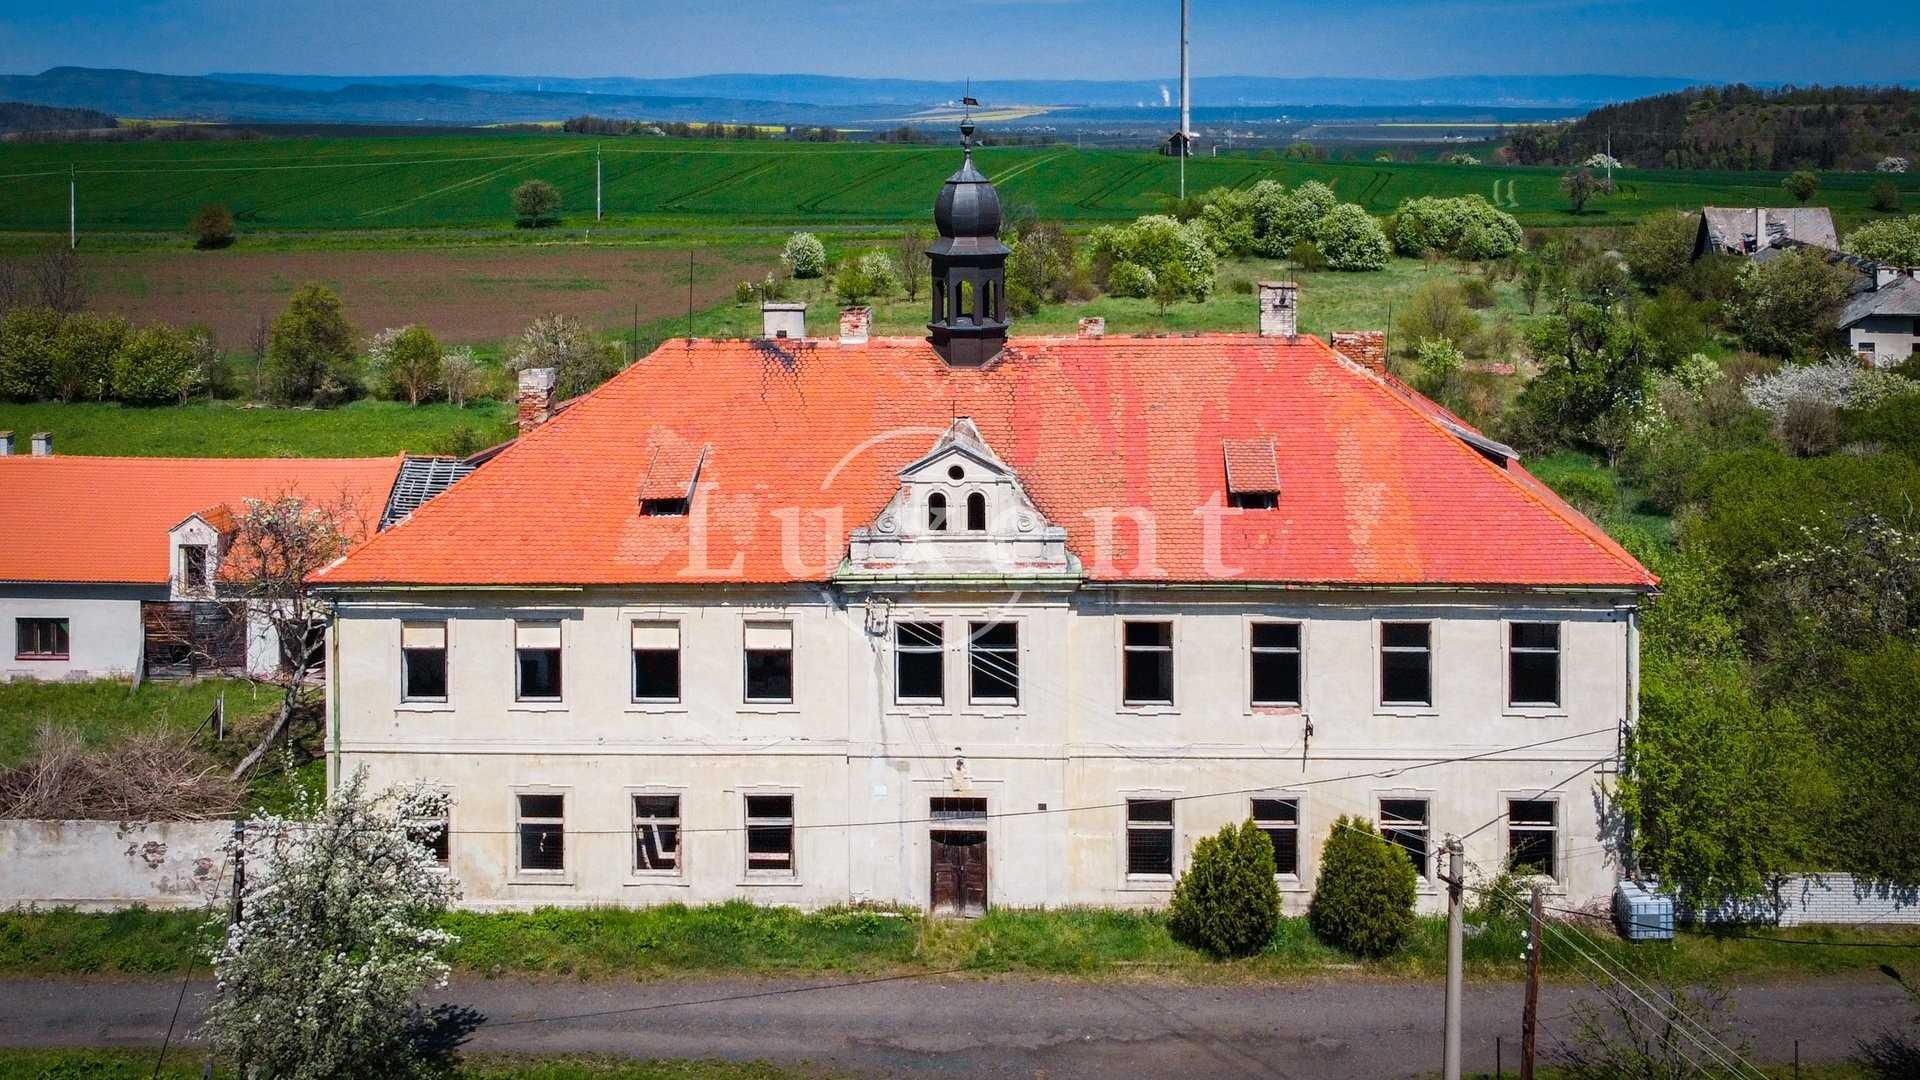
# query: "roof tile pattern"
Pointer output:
{"type": "Point", "coordinates": [106, 519]}
{"type": "Point", "coordinates": [1251, 466]}
{"type": "Point", "coordinates": [807, 438]}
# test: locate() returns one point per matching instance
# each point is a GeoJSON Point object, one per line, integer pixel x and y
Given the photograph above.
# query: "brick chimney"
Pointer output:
{"type": "Point", "coordinates": [1368, 348]}
{"type": "Point", "coordinates": [6, 444]}
{"type": "Point", "coordinates": [1279, 309]}
{"type": "Point", "coordinates": [536, 397]}
{"type": "Point", "coordinates": [1093, 326]}
{"type": "Point", "coordinates": [782, 319]}
{"type": "Point", "coordinates": [43, 444]}
{"type": "Point", "coordinates": [854, 324]}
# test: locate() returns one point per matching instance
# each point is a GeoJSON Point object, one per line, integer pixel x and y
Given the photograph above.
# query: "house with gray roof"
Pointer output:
{"type": "Point", "coordinates": [1883, 322]}
{"type": "Point", "coordinates": [1749, 230]}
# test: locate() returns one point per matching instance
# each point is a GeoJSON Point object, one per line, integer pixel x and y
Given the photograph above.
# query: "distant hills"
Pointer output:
{"type": "Point", "coordinates": [16, 116]}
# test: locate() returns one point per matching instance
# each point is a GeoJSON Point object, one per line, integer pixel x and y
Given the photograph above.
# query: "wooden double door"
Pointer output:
{"type": "Point", "coordinates": [959, 872]}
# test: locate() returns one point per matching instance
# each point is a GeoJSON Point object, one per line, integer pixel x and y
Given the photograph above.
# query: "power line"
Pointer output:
{"type": "Point", "coordinates": [186, 977]}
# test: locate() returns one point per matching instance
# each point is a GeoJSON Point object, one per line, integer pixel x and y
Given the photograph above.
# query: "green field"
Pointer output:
{"type": "Point", "coordinates": [462, 182]}
{"type": "Point", "coordinates": [225, 429]}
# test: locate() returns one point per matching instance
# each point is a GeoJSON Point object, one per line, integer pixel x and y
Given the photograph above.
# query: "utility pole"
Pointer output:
{"type": "Point", "coordinates": [1609, 159]}
{"type": "Point", "coordinates": [1180, 145]}
{"type": "Point", "coordinates": [234, 910]}
{"type": "Point", "coordinates": [1530, 1018]}
{"type": "Point", "coordinates": [596, 181]}
{"type": "Point", "coordinates": [1456, 957]}
{"type": "Point", "coordinates": [73, 210]}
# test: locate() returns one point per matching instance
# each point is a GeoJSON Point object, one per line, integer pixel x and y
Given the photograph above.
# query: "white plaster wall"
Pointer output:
{"type": "Point", "coordinates": [103, 628]}
{"type": "Point", "coordinates": [108, 865]}
{"type": "Point", "coordinates": [854, 758]}
{"type": "Point", "coordinates": [1893, 338]}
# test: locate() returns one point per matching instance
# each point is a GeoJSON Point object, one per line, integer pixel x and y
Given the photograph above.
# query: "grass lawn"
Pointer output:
{"type": "Point", "coordinates": [185, 1063]}
{"type": "Point", "coordinates": [742, 939]}
{"type": "Point", "coordinates": [222, 429]}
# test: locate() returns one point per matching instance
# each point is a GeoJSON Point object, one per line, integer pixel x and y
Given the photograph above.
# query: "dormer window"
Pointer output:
{"type": "Point", "coordinates": [1253, 474]}
{"type": "Point", "coordinates": [976, 512]}
{"type": "Point", "coordinates": [667, 488]}
{"type": "Point", "coordinates": [663, 507]}
{"type": "Point", "coordinates": [937, 512]}
{"type": "Point", "coordinates": [193, 566]}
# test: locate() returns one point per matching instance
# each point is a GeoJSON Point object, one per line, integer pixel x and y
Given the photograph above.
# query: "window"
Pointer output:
{"type": "Point", "coordinates": [1147, 663]}
{"type": "Point", "coordinates": [423, 661]}
{"type": "Point", "coordinates": [40, 639]}
{"type": "Point", "coordinates": [1150, 838]}
{"type": "Point", "coordinates": [543, 840]}
{"type": "Point", "coordinates": [656, 834]}
{"type": "Point", "coordinates": [1276, 663]}
{"type": "Point", "coordinates": [770, 835]}
{"type": "Point", "coordinates": [536, 647]}
{"type": "Point", "coordinates": [1404, 824]}
{"type": "Point", "coordinates": [1531, 829]}
{"type": "Point", "coordinates": [917, 660]}
{"type": "Point", "coordinates": [1280, 820]}
{"type": "Point", "coordinates": [769, 662]}
{"type": "Point", "coordinates": [1406, 663]}
{"type": "Point", "coordinates": [1253, 500]}
{"type": "Point", "coordinates": [1533, 664]}
{"type": "Point", "coordinates": [656, 661]}
{"type": "Point", "coordinates": [937, 512]}
{"type": "Point", "coordinates": [993, 657]}
{"type": "Point", "coordinates": [193, 565]}
{"type": "Point", "coordinates": [431, 835]}
{"type": "Point", "coordinates": [976, 512]}
{"type": "Point", "coordinates": [666, 507]}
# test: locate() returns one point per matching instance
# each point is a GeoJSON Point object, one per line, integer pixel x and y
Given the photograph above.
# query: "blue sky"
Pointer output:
{"type": "Point", "coordinates": [1718, 39]}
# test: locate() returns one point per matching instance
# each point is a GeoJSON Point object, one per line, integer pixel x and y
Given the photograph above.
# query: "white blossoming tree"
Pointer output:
{"type": "Point", "coordinates": [336, 939]}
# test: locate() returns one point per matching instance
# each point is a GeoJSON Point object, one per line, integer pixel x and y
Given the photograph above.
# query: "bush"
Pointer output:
{"type": "Point", "coordinates": [408, 363]}
{"type": "Point", "coordinates": [1660, 248]}
{"type": "Point", "coordinates": [1802, 185]}
{"type": "Point", "coordinates": [1131, 279]}
{"type": "Point", "coordinates": [1363, 900]}
{"type": "Point", "coordinates": [1892, 424]}
{"type": "Point", "coordinates": [1042, 268]}
{"type": "Point", "coordinates": [1177, 255]}
{"type": "Point", "coordinates": [310, 356]}
{"type": "Point", "coordinates": [1477, 292]}
{"type": "Point", "coordinates": [1885, 197]}
{"type": "Point", "coordinates": [211, 226]}
{"type": "Point", "coordinates": [1226, 902]}
{"type": "Point", "coordinates": [1437, 310]}
{"type": "Point", "coordinates": [805, 255]}
{"type": "Point", "coordinates": [1895, 242]}
{"type": "Point", "coordinates": [1351, 239]}
{"type": "Point", "coordinates": [27, 336]}
{"type": "Point", "coordinates": [1468, 227]}
{"type": "Point", "coordinates": [83, 354]}
{"type": "Point", "coordinates": [536, 204]}
{"type": "Point", "coordinates": [1786, 307]}
{"type": "Point", "coordinates": [1306, 255]}
{"type": "Point", "coordinates": [157, 366]}
{"type": "Point", "coordinates": [883, 278]}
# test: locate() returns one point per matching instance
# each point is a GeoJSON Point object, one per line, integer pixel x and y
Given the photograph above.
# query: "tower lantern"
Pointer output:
{"type": "Point", "coordinates": [969, 325]}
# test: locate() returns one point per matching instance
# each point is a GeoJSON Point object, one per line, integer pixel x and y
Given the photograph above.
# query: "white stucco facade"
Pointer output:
{"type": "Point", "coordinates": [103, 628]}
{"type": "Point", "coordinates": [1055, 768]}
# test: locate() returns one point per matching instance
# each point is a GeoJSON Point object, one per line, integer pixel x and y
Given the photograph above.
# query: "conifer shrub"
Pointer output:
{"type": "Point", "coordinates": [1227, 903]}
{"type": "Point", "coordinates": [1363, 901]}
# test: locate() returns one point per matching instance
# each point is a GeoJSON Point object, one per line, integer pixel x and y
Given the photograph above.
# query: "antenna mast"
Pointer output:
{"type": "Point", "coordinates": [1186, 118]}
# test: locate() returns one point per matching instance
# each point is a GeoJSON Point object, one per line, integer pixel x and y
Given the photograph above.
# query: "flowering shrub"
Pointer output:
{"type": "Point", "coordinates": [1602, 161]}
{"type": "Point", "coordinates": [1838, 382]}
{"type": "Point", "coordinates": [805, 255]}
{"type": "Point", "coordinates": [1895, 241]}
{"type": "Point", "coordinates": [1351, 239]}
{"type": "Point", "coordinates": [1468, 227]}
{"type": "Point", "coordinates": [1892, 164]}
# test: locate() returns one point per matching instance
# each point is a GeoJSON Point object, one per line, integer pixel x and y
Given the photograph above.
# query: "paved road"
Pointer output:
{"type": "Point", "coordinates": [952, 1026]}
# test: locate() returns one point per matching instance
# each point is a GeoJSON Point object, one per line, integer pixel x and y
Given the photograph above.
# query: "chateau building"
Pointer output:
{"type": "Point", "coordinates": [976, 619]}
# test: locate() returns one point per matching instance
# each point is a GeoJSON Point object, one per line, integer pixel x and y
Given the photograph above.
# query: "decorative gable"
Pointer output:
{"type": "Point", "coordinates": [193, 550]}
{"type": "Point", "coordinates": [961, 517]}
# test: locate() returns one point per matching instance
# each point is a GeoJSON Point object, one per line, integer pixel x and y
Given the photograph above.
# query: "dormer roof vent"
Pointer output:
{"type": "Point", "coordinates": [1253, 473]}
{"type": "Point", "coordinates": [667, 488]}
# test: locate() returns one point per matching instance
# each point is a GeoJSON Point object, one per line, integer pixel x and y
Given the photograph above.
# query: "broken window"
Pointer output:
{"type": "Point", "coordinates": [656, 661]}
{"type": "Point", "coordinates": [1533, 664]}
{"type": "Point", "coordinates": [1280, 820]}
{"type": "Point", "coordinates": [542, 825]}
{"type": "Point", "coordinates": [918, 657]}
{"type": "Point", "coordinates": [1406, 663]}
{"type": "Point", "coordinates": [976, 512]}
{"type": "Point", "coordinates": [40, 639]}
{"type": "Point", "coordinates": [1403, 822]}
{"type": "Point", "coordinates": [1147, 663]}
{"type": "Point", "coordinates": [536, 647]}
{"type": "Point", "coordinates": [769, 648]}
{"type": "Point", "coordinates": [993, 659]}
{"type": "Point", "coordinates": [770, 835]}
{"type": "Point", "coordinates": [656, 834]}
{"type": "Point", "coordinates": [1150, 838]}
{"type": "Point", "coordinates": [936, 512]}
{"type": "Point", "coordinates": [1531, 830]}
{"type": "Point", "coordinates": [1275, 650]}
{"type": "Point", "coordinates": [193, 566]}
{"type": "Point", "coordinates": [423, 661]}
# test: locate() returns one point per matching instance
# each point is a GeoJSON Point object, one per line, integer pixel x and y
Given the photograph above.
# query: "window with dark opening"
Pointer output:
{"type": "Point", "coordinates": [918, 658]}
{"type": "Point", "coordinates": [1253, 500]}
{"type": "Point", "coordinates": [770, 835]}
{"type": "Point", "coordinates": [543, 841]}
{"type": "Point", "coordinates": [40, 639]}
{"type": "Point", "coordinates": [423, 661]}
{"type": "Point", "coordinates": [431, 835]}
{"type": "Point", "coordinates": [193, 565]}
{"type": "Point", "coordinates": [1533, 664]}
{"type": "Point", "coordinates": [656, 834]}
{"type": "Point", "coordinates": [656, 661]}
{"type": "Point", "coordinates": [1531, 829]}
{"type": "Point", "coordinates": [1275, 651]}
{"type": "Point", "coordinates": [1403, 822]}
{"type": "Point", "coordinates": [1280, 820]}
{"type": "Point", "coordinates": [936, 512]}
{"type": "Point", "coordinates": [1147, 663]}
{"type": "Point", "coordinates": [1406, 663]}
{"type": "Point", "coordinates": [1150, 838]}
{"type": "Point", "coordinates": [993, 660]}
{"type": "Point", "coordinates": [536, 647]}
{"type": "Point", "coordinates": [769, 649]}
{"type": "Point", "coordinates": [976, 512]}
{"type": "Point", "coordinates": [664, 507]}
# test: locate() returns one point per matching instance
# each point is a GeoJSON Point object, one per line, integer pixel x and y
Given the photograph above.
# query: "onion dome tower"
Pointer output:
{"type": "Point", "coordinates": [969, 325]}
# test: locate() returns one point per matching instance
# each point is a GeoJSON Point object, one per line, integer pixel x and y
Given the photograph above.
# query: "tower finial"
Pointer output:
{"type": "Point", "coordinates": [967, 104]}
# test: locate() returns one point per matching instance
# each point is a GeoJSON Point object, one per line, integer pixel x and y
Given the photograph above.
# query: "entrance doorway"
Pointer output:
{"type": "Point", "coordinates": [958, 836]}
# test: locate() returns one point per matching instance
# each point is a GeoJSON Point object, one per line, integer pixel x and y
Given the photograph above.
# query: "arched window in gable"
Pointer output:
{"type": "Point", "coordinates": [937, 512]}
{"type": "Point", "coordinates": [976, 512]}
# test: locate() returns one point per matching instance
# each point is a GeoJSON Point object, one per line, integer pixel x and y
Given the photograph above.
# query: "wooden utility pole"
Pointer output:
{"type": "Point", "coordinates": [73, 209]}
{"type": "Point", "coordinates": [1456, 958]}
{"type": "Point", "coordinates": [596, 181]}
{"type": "Point", "coordinates": [1530, 1019]}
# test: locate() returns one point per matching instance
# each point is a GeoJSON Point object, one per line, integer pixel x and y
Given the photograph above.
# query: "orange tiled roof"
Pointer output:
{"type": "Point", "coordinates": [806, 439]}
{"type": "Point", "coordinates": [106, 519]}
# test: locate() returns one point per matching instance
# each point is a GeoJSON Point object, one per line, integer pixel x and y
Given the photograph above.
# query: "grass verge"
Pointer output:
{"type": "Point", "coordinates": [221, 429]}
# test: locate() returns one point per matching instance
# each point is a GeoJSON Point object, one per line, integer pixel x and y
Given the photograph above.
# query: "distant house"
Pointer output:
{"type": "Point", "coordinates": [1883, 321]}
{"type": "Point", "coordinates": [108, 565]}
{"type": "Point", "coordinates": [1727, 230]}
